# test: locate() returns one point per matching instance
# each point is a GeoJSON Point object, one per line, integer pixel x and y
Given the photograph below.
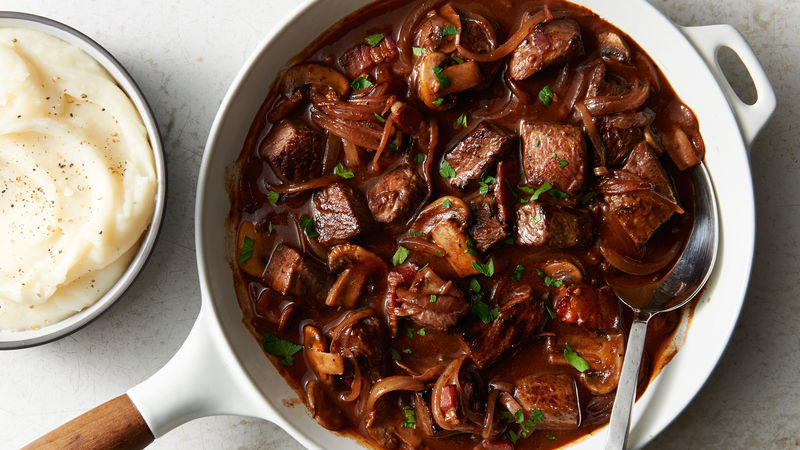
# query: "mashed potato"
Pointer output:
{"type": "Point", "coordinates": [77, 180]}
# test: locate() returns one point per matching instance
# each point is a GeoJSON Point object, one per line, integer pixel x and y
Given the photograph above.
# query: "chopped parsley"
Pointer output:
{"type": "Point", "coordinates": [446, 170]}
{"type": "Point", "coordinates": [559, 195]}
{"type": "Point", "coordinates": [273, 197]}
{"type": "Point", "coordinates": [512, 436]}
{"type": "Point", "coordinates": [400, 255]}
{"type": "Point", "coordinates": [279, 247]}
{"type": "Point", "coordinates": [411, 420]}
{"type": "Point", "coordinates": [393, 147]}
{"type": "Point", "coordinates": [270, 228]}
{"type": "Point", "coordinates": [415, 233]}
{"type": "Point", "coordinates": [549, 281]}
{"type": "Point", "coordinates": [518, 271]}
{"type": "Point", "coordinates": [471, 248]}
{"type": "Point", "coordinates": [360, 83]}
{"type": "Point", "coordinates": [538, 217]}
{"type": "Point", "coordinates": [433, 298]}
{"type": "Point", "coordinates": [442, 77]}
{"type": "Point", "coordinates": [374, 39]}
{"type": "Point", "coordinates": [485, 269]}
{"type": "Point", "coordinates": [395, 355]}
{"type": "Point", "coordinates": [280, 347]}
{"type": "Point", "coordinates": [546, 186]}
{"type": "Point", "coordinates": [379, 117]}
{"type": "Point", "coordinates": [410, 333]}
{"type": "Point", "coordinates": [483, 185]}
{"type": "Point", "coordinates": [308, 223]}
{"type": "Point", "coordinates": [447, 203]}
{"type": "Point", "coordinates": [537, 143]}
{"type": "Point", "coordinates": [474, 286]}
{"type": "Point", "coordinates": [457, 59]}
{"type": "Point", "coordinates": [550, 437]}
{"type": "Point", "coordinates": [563, 163]}
{"type": "Point", "coordinates": [419, 158]}
{"type": "Point", "coordinates": [449, 30]}
{"type": "Point", "coordinates": [587, 197]}
{"type": "Point", "coordinates": [247, 250]}
{"type": "Point", "coordinates": [546, 95]}
{"type": "Point", "coordinates": [417, 51]}
{"type": "Point", "coordinates": [575, 359]}
{"type": "Point", "coordinates": [421, 331]}
{"type": "Point", "coordinates": [550, 311]}
{"type": "Point", "coordinates": [509, 240]}
{"type": "Point", "coordinates": [438, 101]}
{"type": "Point", "coordinates": [462, 120]}
{"type": "Point", "coordinates": [407, 351]}
{"type": "Point", "coordinates": [340, 170]}
{"type": "Point", "coordinates": [482, 311]}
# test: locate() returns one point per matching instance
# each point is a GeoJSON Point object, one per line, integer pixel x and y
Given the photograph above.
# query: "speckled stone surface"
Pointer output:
{"type": "Point", "coordinates": [185, 54]}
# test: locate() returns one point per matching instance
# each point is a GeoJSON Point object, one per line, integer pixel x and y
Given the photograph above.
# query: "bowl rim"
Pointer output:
{"type": "Point", "coordinates": [28, 338]}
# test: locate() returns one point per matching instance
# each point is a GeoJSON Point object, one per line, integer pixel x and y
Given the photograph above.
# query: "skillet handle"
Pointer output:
{"type": "Point", "coordinates": [115, 424]}
{"type": "Point", "coordinates": [708, 40]}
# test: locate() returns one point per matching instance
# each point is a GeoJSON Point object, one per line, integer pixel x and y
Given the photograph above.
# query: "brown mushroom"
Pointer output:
{"type": "Point", "coordinates": [315, 75]}
{"type": "Point", "coordinates": [445, 222]}
{"type": "Point", "coordinates": [603, 351]}
{"type": "Point", "coordinates": [435, 81]}
{"type": "Point", "coordinates": [355, 265]}
{"type": "Point", "coordinates": [324, 363]}
{"type": "Point", "coordinates": [250, 252]}
{"type": "Point", "coordinates": [613, 46]}
{"type": "Point", "coordinates": [322, 408]}
{"type": "Point", "coordinates": [563, 270]}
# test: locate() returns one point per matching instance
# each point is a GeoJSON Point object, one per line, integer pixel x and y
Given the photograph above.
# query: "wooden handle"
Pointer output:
{"type": "Point", "coordinates": [116, 424]}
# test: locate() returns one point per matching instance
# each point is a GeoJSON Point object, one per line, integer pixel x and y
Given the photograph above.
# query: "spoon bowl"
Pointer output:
{"type": "Point", "coordinates": [679, 286]}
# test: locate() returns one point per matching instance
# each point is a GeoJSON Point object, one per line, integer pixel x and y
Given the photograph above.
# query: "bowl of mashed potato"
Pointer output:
{"type": "Point", "coordinates": [82, 180]}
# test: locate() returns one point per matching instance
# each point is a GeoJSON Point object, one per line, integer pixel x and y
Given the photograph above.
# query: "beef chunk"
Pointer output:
{"type": "Point", "coordinates": [555, 395]}
{"type": "Point", "coordinates": [294, 150]}
{"type": "Point", "coordinates": [587, 306]}
{"type": "Point", "coordinates": [518, 316]}
{"type": "Point", "coordinates": [430, 301]}
{"type": "Point", "coordinates": [640, 213]}
{"type": "Point", "coordinates": [618, 141]}
{"type": "Point", "coordinates": [602, 350]}
{"type": "Point", "coordinates": [477, 34]}
{"type": "Point", "coordinates": [395, 197]}
{"type": "Point", "coordinates": [487, 228]}
{"type": "Point", "coordinates": [340, 214]}
{"type": "Point", "coordinates": [548, 44]}
{"type": "Point", "coordinates": [430, 34]}
{"type": "Point", "coordinates": [547, 225]}
{"type": "Point", "coordinates": [366, 340]}
{"type": "Point", "coordinates": [476, 153]}
{"type": "Point", "coordinates": [548, 147]}
{"type": "Point", "coordinates": [363, 57]}
{"type": "Point", "coordinates": [290, 273]}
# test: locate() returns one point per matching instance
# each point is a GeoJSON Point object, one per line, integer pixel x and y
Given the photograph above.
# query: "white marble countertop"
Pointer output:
{"type": "Point", "coordinates": [184, 55]}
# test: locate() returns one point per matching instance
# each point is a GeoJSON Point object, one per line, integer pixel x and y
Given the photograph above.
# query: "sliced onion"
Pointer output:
{"type": "Point", "coordinates": [610, 104]}
{"type": "Point", "coordinates": [387, 133]}
{"type": "Point", "coordinates": [292, 188]}
{"type": "Point", "coordinates": [355, 386]}
{"type": "Point", "coordinates": [447, 378]}
{"type": "Point", "coordinates": [363, 134]}
{"type": "Point", "coordinates": [681, 151]}
{"type": "Point", "coordinates": [351, 157]}
{"type": "Point", "coordinates": [591, 130]}
{"type": "Point", "coordinates": [405, 34]}
{"type": "Point", "coordinates": [332, 148]}
{"type": "Point", "coordinates": [636, 267]}
{"type": "Point", "coordinates": [390, 384]}
{"type": "Point", "coordinates": [627, 120]}
{"type": "Point", "coordinates": [419, 244]}
{"type": "Point", "coordinates": [488, 419]}
{"type": "Point", "coordinates": [621, 182]}
{"type": "Point", "coordinates": [525, 28]}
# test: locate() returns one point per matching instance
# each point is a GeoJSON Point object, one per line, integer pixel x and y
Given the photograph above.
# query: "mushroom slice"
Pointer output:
{"type": "Point", "coordinates": [435, 81]}
{"type": "Point", "coordinates": [315, 75]}
{"type": "Point", "coordinates": [324, 363]}
{"type": "Point", "coordinates": [355, 265]}
{"type": "Point", "coordinates": [563, 270]}
{"type": "Point", "coordinates": [445, 222]}
{"type": "Point", "coordinates": [250, 252]}
{"type": "Point", "coordinates": [322, 408]}
{"type": "Point", "coordinates": [613, 46]}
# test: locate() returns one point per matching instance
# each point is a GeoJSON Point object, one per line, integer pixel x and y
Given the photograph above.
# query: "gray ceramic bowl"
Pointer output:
{"type": "Point", "coordinates": [28, 338]}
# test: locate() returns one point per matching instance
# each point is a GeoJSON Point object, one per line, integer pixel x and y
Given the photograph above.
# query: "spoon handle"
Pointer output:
{"type": "Point", "coordinates": [626, 390]}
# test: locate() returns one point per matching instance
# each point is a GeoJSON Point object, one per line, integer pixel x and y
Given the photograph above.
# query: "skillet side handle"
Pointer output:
{"type": "Point", "coordinates": [708, 40]}
{"type": "Point", "coordinates": [116, 424]}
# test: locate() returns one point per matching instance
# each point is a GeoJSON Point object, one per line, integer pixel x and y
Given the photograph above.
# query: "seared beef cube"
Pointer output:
{"type": "Point", "coordinates": [549, 44]}
{"type": "Point", "coordinates": [555, 395]}
{"type": "Point", "coordinates": [363, 57]}
{"type": "Point", "coordinates": [588, 307]}
{"type": "Point", "coordinates": [340, 214]}
{"type": "Point", "coordinates": [546, 225]}
{"type": "Point", "coordinates": [395, 197]}
{"type": "Point", "coordinates": [641, 213]}
{"type": "Point", "coordinates": [518, 316]}
{"type": "Point", "coordinates": [290, 273]}
{"type": "Point", "coordinates": [476, 153]}
{"type": "Point", "coordinates": [294, 150]}
{"type": "Point", "coordinates": [366, 340]}
{"type": "Point", "coordinates": [432, 302]}
{"type": "Point", "coordinates": [486, 229]}
{"type": "Point", "coordinates": [602, 350]}
{"type": "Point", "coordinates": [619, 142]}
{"type": "Point", "coordinates": [554, 153]}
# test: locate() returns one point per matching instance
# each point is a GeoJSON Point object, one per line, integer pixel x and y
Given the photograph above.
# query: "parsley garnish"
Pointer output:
{"type": "Point", "coordinates": [509, 240]}
{"type": "Point", "coordinates": [273, 197]}
{"type": "Point", "coordinates": [474, 286]}
{"type": "Point", "coordinates": [457, 59]}
{"type": "Point", "coordinates": [449, 30]}
{"type": "Point", "coordinates": [536, 143]}
{"type": "Point", "coordinates": [471, 248]}
{"type": "Point", "coordinates": [340, 170]}
{"type": "Point", "coordinates": [360, 83]}
{"type": "Point", "coordinates": [563, 163]}
{"type": "Point", "coordinates": [280, 347]}
{"type": "Point", "coordinates": [400, 255]}
{"type": "Point", "coordinates": [447, 203]}
{"type": "Point", "coordinates": [411, 420]}
{"type": "Point", "coordinates": [549, 281]}
{"type": "Point", "coordinates": [433, 298]}
{"type": "Point", "coordinates": [407, 351]}
{"type": "Point", "coordinates": [410, 333]}
{"type": "Point", "coordinates": [512, 436]}
{"type": "Point", "coordinates": [485, 269]}
{"type": "Point", "coordinates": [546, 95]}
{"type": "Point", "coordinates": [374, 39]}
{"type": "Point", "coordinates": [587, 197]}
{"type": "Point", "coordinates": [462, 120]}
{"type": "Point", "coordinates": [550, 437]}
{"type": "Point", "coordinates": [575, 359]}
{"type": "Point", "coordinates": [379, 117]}
{"type": "Point", "coordinates": [415, 233]}
{"type": "Point", "coordinates": [421, 331]}
{"type": "Point", "coordinates": [419, 158]}
{"type": "Point", "coordinates": [438, 101]}
{"type": "Point", "coordinates": [550, 311]}
{"type": "Point", "coordinates": [442, 77]}
{"type": "Point", "coordinates": [446, 170]}
{"type": "Point", "coordinates": [483, 312]}
{"type": "Point", "coordinates": [270, 228]}
{"type": "Point", "coordinates": [307, 223]}
{"type": "Point", "coordinates": [393, 147]}
{"type": "Point", "coordinates": [546, 186]}
{"type": "Point", "coordinates": [247, 250]}
{"type": "Point", "coordinates": [559, 194]}
{"type": "Point", "coordinates": [417, 51]}
{"type": "Point", "coordinates": [538, 217]}
{"type": "Point", "coordinates": [518, 271]}
{"type": "Point", "coordinates": [395, 355]}
{"type": "Point", "coordinates": [483, 185]}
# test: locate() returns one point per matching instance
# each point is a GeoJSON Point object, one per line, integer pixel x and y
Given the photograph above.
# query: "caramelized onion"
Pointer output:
{"type": "Point", "coordinates": [525, 28]}
{"type": "Point", "coordinates": [627, 120]}
{"type": "Point", "coordinates": [387, 133]}
{"type": "Point", "coordinates": [363, 134]}
{"type": "Point", "coordinates": [488, 419]}
{"type": "Point", "coordinates": [332, 148]}
{"type": "Point", "coordinates": [591, 130]}
{"type": "Point", "coordinates": [292, 188]}
{"type": "Point", "coordinates": [681, 151]}
{"type": "Point", "coordinates": [420, 244]}
{"type": "Point", "coordinates": [355, 386]}
{"type": "Point", "coordinates": [449, 378]}
{"type": "Point", "coordinates": [636, 267]}
{"type": "Point", "coordinates": [610, 104]}
{"type": "Point", "coordinates": [621, 182]}
{"type": "Point", "coordinates": [390, 384]}
{"type": "Point", "coordinates": [351, 157]}
{"type": "Point", "coordinates": [405, 35]}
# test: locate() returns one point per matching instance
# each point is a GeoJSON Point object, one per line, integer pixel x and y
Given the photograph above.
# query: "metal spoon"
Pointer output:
{"type": "Point", "coordinates": [678, 287]}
